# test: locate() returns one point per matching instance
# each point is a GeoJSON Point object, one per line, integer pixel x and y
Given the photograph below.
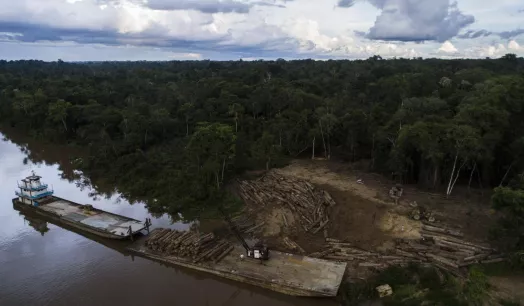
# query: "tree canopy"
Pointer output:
{"type": "Point", "coordinates": [173, 133]}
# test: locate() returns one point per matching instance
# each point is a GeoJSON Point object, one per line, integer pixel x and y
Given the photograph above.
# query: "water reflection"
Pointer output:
{"type": "Point", "coordinates": [38, 224]}
{"type": "Point", "coordinates": [44, 264]}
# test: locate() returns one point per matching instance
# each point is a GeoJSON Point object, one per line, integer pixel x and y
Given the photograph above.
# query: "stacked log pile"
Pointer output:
{"type": "Point", "coordinates": [344, 251]}
{"type": "Point", "coordinates": [440, 246]}
{"type": "Point", "coordinates": [308, 203]}
{"type": "Point", "coordinates": [188, 244]}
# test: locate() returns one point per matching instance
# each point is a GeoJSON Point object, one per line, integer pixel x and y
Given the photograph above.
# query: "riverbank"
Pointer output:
{"type": "Point", "coordinates": [363, 216]}
{"type": "Point", "coordinates": [371, 231]}
{"type": "Point", "coordinates": [61, 267]}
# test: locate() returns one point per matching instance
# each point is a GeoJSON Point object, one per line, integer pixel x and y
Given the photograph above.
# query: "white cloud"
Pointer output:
{"type": "Point", "coordinates": [447, 47]}
{"type": "Point", "coordinates": [186, 56]}
{"type": "Point", "coordinates": [411, 20]}
{"type": "Point", "coordinates": [217, 29]}
{"type": "Point", "coordinates": [514, 46]}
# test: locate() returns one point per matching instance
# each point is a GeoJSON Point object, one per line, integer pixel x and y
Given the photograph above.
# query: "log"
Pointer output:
{"type": "Point", "coordinates": [321, 226]}
{"type": "Point", "coordinates": [496, 256]}
{"type": "Point", "coordinates": [390, 257]}
{"type": "Point", "coordinates": [442, 261]}
{"type": "Point", "coordinates": [174, 237]}
{"type": "Point", "coordinates": [154, 234]}
{"type": "Point", "coordinates": [329, 199]}
{"type": "Point", "coordinates": [340, 244]}
{"type": "Point", "coordinates": [252, 229]}
{"type": "Point", "coordinates": [182, 237]}
{"type": "Point", "coordinates": [218, 250]}
{"type": "Point", "coordinates": [167, 237]}
{"type": "Point", "coordinates": [350, 256]}
{"type": "Point", "coordinates": [205, 238]}
{"type": "Point", "coordinates": [489, 261]}
{"type": "Point", "coordinates": [323, 253]}
{"type": "Point", "coordinates": [475, 257]}
{"type": "Point", "coordinates": [456, 246]}
{"type": "Point", "coordinates": [432, 228]}
{"type": "Point", "coordinates": [160, 235]}
{"type": "Point", "coordinates": [224, 254]}
{"type": "Point", "coordinates": [456, 240]}
{"type": "Point", "coordinates": [339, 258]}
{"type": "Point", "coordinates": [208, 252]}
{"type": "Point", "coordinates": [456, 256]}
{"type": "Point", "coordinates": [190, 239]}
{"type": "Point", "coordinates": [354, 250]}
{"type": "Point", "coordinates": [285, 220]}
{"type": "Point", "coordinates": [406, 254]}
{"type": "Point", "coordinates": [370, 264]}
{"type": "Point", "coordinates": [317, 222]}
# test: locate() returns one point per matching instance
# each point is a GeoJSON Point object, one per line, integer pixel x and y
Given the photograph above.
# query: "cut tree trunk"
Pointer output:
{"type": "Point", "coordinates": [313, 155]}
{"type": "Point", "coordinates": [506, 174]}
{"type": "Point", "coordinates": [323, 140]}
{"type": "Point", "coordinates": [471, 176]}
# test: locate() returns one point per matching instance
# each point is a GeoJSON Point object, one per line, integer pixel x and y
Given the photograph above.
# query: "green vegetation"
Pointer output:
{"type": "Point", "coordinates": [416, 285]}
{"type": "Point", "coordinates": [172, 134]}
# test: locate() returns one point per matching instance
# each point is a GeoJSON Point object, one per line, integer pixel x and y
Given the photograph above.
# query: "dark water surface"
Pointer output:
{"type": "Point", "coordinates": [61, 267]}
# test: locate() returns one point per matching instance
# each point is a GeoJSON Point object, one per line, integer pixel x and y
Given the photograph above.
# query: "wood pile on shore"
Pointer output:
{"type": "Point", "coordinates": [440, 246]}
{"type": "Point", "coordinates": [306, 201]}
{"type": "Point", "coordinates": [344, 251]}
{"type": "Point", "coordinates": [188, 244]}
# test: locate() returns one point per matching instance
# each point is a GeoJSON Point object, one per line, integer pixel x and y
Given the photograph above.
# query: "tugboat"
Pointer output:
{"type": "Point", "coordinates": [35, 196]}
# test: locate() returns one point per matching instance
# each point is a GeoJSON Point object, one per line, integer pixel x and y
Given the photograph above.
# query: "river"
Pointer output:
{"type": "Point", "coordinates": [60, 267]}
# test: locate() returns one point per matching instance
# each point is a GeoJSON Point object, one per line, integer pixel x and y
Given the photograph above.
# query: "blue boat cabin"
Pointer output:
{"type": "Point", "coordinates": [32, 190]}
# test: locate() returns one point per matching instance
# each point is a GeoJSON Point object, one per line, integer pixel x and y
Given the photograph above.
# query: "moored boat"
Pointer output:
{"type": "Point", "coordinates": [36, 196]}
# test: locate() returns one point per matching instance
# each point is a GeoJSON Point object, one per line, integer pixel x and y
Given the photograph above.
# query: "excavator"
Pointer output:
{"type": "Point", "coordinates": [258, 251]}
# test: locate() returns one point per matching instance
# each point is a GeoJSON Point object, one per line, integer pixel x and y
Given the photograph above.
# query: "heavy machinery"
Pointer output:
{"type": "Point", "coordinates": [258, 251]}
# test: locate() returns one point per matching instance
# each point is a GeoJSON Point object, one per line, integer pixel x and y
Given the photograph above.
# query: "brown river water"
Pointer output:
{"type": "Point", "coordinates": [60, 267]}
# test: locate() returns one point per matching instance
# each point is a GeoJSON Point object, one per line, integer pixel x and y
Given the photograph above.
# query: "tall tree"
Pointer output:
{"type": "Point", "coordinates": [58, 111]}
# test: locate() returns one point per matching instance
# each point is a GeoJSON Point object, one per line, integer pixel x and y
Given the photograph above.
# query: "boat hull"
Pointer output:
{"type": "Point", "coordinates": [75, 224]}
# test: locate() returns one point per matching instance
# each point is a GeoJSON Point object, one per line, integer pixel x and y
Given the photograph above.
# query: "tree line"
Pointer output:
{"type": "Point", "coordinates": [173, 133]}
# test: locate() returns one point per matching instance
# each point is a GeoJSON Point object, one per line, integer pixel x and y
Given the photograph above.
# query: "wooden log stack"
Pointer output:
{"type": "Point", "coordinates": [308, 203]}
{"type": "Point", "coordinates": [187, 244]}
{"type": "Point", "coordinates": [440, 246]}
{"type": "Point", "coordinates": [344, 251]}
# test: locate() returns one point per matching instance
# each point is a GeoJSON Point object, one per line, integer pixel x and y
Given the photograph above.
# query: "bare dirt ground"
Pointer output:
{"type": "Point", "coordinates": [364, 215]}
{"type": "Point", "coordinates": [367, 215]}
{"type": "Point", "coordinates": [508, 288]}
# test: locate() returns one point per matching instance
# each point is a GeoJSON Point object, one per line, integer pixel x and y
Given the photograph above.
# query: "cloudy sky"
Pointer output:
{"type": "Point", "coordinates": [77, 30]}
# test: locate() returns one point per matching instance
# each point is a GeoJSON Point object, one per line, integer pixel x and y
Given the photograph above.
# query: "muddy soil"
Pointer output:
{"type": "Point", "coordinates": [367, 214]}
{"type": "Point", "coordinates": [366, 217]}
{"type": "Point", "coordinates": [508, 288]}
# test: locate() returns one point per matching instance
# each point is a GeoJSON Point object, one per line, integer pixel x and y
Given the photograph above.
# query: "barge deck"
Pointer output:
{"type": "Point", "coordinates": [285, 273]}
{"type": "Point", "coordinates": [94, 221]}
{"type": "Point", "coordinates": [35, 196]}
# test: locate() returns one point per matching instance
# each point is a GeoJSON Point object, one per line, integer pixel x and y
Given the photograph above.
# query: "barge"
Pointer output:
{"type": "Point", "coordinates": [286, 273]}
{"type": "Point", "coordinates": [35, 196]}
{"type": "Point", "coordinates": [40, 223]}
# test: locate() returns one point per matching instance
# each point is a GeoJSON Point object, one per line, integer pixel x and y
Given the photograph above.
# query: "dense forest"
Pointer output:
{"type": "Point", "coordinates": [173, 133]}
